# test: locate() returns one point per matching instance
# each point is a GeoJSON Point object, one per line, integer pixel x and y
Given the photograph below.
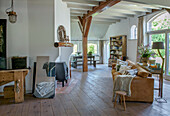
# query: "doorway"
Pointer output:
{"type": "Point", "coordinates": [162, 36]}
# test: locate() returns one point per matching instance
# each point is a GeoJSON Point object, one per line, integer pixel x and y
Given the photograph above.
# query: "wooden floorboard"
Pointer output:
{"type": "Point", "coordinates": [91, 96]}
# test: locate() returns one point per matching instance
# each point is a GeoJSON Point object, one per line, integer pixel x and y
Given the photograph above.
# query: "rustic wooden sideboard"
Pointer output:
{"type": "Point", "coordinates": [18, 76]}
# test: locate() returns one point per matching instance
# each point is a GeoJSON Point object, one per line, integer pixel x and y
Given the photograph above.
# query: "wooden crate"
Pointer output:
{"type": "Point", "coordinates": [9, 91]}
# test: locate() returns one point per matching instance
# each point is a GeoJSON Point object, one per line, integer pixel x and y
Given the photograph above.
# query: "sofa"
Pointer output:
{"type": "Point", "coordinates": [142, 86]}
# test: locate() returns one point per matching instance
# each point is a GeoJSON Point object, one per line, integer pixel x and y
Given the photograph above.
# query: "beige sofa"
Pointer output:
{"type": "Point", "coordinates": [142, 86]}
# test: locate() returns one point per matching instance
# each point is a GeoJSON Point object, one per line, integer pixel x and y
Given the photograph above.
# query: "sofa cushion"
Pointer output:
{"type": "Point", "coordinates": [132, 72]}
{"type": "Point", "coordinates": [122, 62]}
{"type": "Point", "coordinates": [143, 74]}
{"type": "Point", "coordinates": [124, 68]}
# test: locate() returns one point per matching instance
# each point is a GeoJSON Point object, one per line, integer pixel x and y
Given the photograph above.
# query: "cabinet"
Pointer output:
{"type": "Point", "coordinates": [118, 48]}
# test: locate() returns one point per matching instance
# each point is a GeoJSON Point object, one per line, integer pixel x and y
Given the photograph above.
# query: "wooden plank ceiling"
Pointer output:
{"type": "Point", "coordinates": [114, 14]}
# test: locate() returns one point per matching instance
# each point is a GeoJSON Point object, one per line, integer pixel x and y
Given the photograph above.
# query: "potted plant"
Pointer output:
{"type": "Point", "coordinates": [145, 53]}
{"type": "Point", "coordinates": [90, 53]}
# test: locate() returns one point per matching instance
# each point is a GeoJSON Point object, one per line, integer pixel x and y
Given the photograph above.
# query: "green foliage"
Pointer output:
{"type": "Point", "coordinates": [91, 49]}
{"type": "Point", "coordinates": [159, 25]}
{"type": "Point", "coordinates": [158, 38]}
{"type": "Point", "coordinates": [145, 51]}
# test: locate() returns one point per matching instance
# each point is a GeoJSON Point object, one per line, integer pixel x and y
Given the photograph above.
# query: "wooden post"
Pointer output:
{"type": "Point", "coordinates": [19, 86]}
{"type": "Point", "coordinates": [84, 25]}
{"type": "Point", "coordinates": [85, 22]}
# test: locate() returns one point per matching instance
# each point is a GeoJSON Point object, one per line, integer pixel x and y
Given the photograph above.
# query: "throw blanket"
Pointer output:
{"type": "Point", "coordinates": [44, 88]}
{"type": "Point", "coordinates": [122, 83]}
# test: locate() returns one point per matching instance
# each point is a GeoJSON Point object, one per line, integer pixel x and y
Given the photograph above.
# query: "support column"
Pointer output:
{"type": "Point", "coordinates": [85, 59]}
{"type": "Point", "coordinates": [84, 25]}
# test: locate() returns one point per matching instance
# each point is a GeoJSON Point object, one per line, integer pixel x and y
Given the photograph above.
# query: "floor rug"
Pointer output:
{"type": "Point", "coordinates": [67, 86]}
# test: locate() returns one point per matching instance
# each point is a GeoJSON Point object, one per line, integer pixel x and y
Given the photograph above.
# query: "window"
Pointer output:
{"type": "Point", "coordinates": [75, 48]}
{"type": "Point", "coordinates": [158, 31]}
{"type": "Point", "coordinates": [159, 22]}
{"type": "Point", "coordinates": [134, 32]}
{"type": "Point", "coordinates": [92, 48]}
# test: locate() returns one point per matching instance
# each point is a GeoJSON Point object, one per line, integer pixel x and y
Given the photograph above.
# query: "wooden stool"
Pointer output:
{"type": "Point", "coordinates": [122, 96]}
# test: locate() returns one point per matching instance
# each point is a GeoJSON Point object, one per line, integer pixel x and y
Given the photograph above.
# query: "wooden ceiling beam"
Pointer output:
{"type": "Point", "coordinates": [103, 6]}
{"type": "Point", "coordinates": [140, 4]}
{"type": "Point", "coordinates": [80, 7]}
{"type": "Point", "coordinates": [77, 11]}
{"type": "Point", "coordinates": [153, 10]}
{"type": "Point", "coordinates": [95, 22]}
{"type": "Point", "coordinates": [131, 8]}
{"type": "Point", "coordinates": [76, 14]}
{"type": "Point", "coordinates": [84, 2]}
{"type": "Point", "coordinates": [106, 19]}
{"type": "Point", "coordinates": [111, 17]}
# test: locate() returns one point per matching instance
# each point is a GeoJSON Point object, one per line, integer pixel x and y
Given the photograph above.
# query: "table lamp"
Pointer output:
{"type": "Point", "coordinates": [158, 46]}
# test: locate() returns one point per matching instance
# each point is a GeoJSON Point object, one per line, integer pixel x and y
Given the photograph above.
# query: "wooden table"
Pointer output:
{"type": "Point", "coordinates": [158, 72]}
{"type": "Point", "coordinates": [18, 76]}
{"type": "Point", "coordinates": [91, 59]}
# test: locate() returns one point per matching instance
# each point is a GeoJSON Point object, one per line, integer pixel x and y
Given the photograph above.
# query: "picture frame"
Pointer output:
{"type": "Point", "coordinates": [3, 46]}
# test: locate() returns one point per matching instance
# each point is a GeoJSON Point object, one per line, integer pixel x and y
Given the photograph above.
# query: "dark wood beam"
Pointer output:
{"type": "Point", "coordinates": [103, 6]}
{"type": "Point", "coordinates": [168, 10]}
{"type": "Point", "coordinates": [153, 10]}
{"type": "Point", "coordinates": [88, 26]}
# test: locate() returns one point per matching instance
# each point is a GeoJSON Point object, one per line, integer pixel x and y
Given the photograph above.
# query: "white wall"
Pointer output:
{"type": "Point", "coordinates": [41, 29]}
{"type": "Point", "coordinates": [18, 33]}
{"type": "Point", "coordinates": [96, 32]}
{"type": "Point", "coordinates": [123, 28]}
{"type": "Point", "coordinates": [62, 17]}
{"type": "Point", "coordinates": [34, 32]}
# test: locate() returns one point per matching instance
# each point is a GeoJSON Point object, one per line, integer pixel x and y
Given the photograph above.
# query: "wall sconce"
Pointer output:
{"type": "Point", "coordinates": [12, 15]}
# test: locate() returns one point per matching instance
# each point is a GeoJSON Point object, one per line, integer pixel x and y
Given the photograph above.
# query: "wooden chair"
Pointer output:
{"type": "Point", "coordinates": [122, 95]}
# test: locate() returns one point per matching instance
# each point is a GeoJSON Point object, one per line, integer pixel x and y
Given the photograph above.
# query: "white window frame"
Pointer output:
{"type": "Point", "coordinates": [166, 32]}
{"type": "Point", "coordinates": [134, 32]}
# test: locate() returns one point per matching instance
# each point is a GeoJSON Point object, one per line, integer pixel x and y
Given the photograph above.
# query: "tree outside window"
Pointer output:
{"type": "Point", "coordinates": [92, 48]}
{"type": "Point", "coordinates": [160, 23]}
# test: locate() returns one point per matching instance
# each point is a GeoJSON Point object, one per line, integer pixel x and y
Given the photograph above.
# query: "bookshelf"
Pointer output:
{"type": "Point", "coordinates": [118, 48]}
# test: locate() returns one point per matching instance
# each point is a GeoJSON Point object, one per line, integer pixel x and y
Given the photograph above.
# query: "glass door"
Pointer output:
{"type": "Point", "coordinates": [159, 38]}
{"type": "Point", "coordinates": [168, 54]}
{"type": "Point", "coordinates": [162, 37]}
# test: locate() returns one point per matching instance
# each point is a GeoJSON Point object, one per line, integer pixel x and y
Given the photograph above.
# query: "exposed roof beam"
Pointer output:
{"type": "Point", "coordinates": [96, 22]}
{"type": "Point", "coordinates": [84, 2]}
{"type": "Point", "coordinates": [118, 14]}
{"type": "Point", "coordinates": [161, 3]}
{"type": "Point", "coordinates": [76, 14]}
{"type": "Point", "coordinates": [111, 17]}
{"type": "Point", "coordinates": [139, 4]}
{"type": "Point", "coordinates": [99, 19]}
{"type": "Point", "coordinates": [81, 7]}
{"type": "Point", "coordinates": [103, 6]}
{"type": "Point", "coordinates": [77, 11]}
{"type": "Point", "coordinates": [124, 11]}
{"type": "Point", "coordinates": [131, 8]}
{"type": "Point", "coordinates": [107, 19]}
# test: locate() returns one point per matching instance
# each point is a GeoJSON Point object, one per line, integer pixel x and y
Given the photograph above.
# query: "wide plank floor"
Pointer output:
{"type": "Point", "coordinates": [91, 96]}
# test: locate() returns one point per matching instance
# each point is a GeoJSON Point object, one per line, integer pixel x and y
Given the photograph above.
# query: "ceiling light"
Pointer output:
{"type": "Point", "coordinates": [12, 15]}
